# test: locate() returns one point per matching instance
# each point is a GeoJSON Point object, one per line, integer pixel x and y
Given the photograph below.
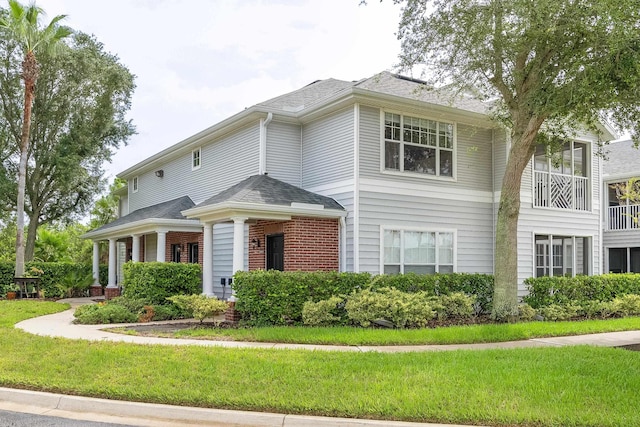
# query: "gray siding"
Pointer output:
{"type": "Point", "coordinates": [225, 162]}
{"type": "Point", "coordinates": [621, 239]}
{"type": "Point", "coordinates": [327, 149]}
{"type": "Point", "coordinates": [472, 222]}
{"type": "Point", "coordinates": [284, 152]}
{"type": "Point", "coordinates": [473, 155]}
{"type": "Point", "coordinates": [150, 247]}
{"type": "Point", "coordinates": [223, 257]}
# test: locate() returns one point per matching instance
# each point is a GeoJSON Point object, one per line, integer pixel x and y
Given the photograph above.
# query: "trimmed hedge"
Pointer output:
{"type": "Point", "coordinates": [277, 298]}
{"type": "Point", "coordinates": [53, 273]}
{"type": "Point", "coordinates": [155, 281]}
{"type": "Point", "coordinates": [545, 291]}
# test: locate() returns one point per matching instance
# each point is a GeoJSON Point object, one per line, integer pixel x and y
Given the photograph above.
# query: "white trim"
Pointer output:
{"type": "Point", "coordinates": [195, 167]}
{"type": "Point", "coordinates": [144, 226]}
{"type": "Point", "coordinates": [420, 190]}
{"type": "Point", "coordinates": [356, 188]}
{"type": "Point", "coordinates": [550, 236]}
{"type": "Point", "coordinates": [405, 228]}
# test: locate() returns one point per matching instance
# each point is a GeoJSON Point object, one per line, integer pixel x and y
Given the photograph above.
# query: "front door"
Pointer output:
{"type": "Point", "coordinates": [275, 252]}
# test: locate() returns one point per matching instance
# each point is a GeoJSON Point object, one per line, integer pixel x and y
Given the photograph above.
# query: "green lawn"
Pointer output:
{"type": "Point", "coordinates": [572, 386]}
{"type": "Point", "coordinates": [448, 335]}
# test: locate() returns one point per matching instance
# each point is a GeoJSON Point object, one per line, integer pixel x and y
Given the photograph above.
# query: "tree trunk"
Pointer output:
{"type": "Point", "coordinates": [32, 233]}
{"type": "Point", "coordinates": [29, 75]}
{"type": "Point", "coordinates": [505, 294]}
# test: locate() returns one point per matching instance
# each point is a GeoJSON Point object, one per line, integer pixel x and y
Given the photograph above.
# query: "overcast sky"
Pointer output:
{"type": "Point", "coordinates": [198, 62]}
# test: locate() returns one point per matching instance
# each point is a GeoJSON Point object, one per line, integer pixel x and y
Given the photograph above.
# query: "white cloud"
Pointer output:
{"type": "Point", "coordinates": [200, 61]}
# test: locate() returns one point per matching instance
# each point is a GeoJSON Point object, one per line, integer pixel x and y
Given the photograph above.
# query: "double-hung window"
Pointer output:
{"type": "Point", "coordinates": [423, 252]}
{"type": "Point", "coordinates": [561, 179]}
{"type": "Point", "coordinates": [418, 145]}
{"type": "Point", "coordinates": [196, 158]}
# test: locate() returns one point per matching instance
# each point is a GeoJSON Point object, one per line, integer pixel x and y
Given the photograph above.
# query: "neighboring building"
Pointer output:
{"type": "Point", "coordinates": [621, 237]}
{"type": "Point", "coordinates": [379, 175]}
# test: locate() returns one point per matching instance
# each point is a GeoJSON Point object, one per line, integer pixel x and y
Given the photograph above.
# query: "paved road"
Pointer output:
{"type": "Point", "coordinates": [19, 419]}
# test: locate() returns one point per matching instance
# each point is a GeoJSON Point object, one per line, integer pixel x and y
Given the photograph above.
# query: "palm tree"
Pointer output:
{"type": "Point", "coordinates": [22, 22]}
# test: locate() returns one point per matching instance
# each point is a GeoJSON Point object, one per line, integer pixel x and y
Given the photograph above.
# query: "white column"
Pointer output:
{"type": "Point", "coordinates": [96, 262]}
{"type": "Point", "coordinates": [238, 247]}
{"type": "Point", "coordinates": [161, 249]}
{"type": "Point", "coordinates": [207, 260]}
{"type": "Point", "coordinates": [135, 248]}
{"type": "Point", "coordinates": [112, 264]}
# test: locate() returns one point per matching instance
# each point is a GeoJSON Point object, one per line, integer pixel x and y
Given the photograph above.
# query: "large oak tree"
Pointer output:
{"type": "Point", "coordinates": [551, 66]}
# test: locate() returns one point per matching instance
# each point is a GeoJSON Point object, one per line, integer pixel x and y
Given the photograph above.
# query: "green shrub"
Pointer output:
{"type": "Point", "coordinates": [155, 281]}
{"type": "Point", "coordinates": [456, 305]}
{"type": "Point", "coordinates": [201, 306]}
{"type": "Point", "coordinates": [276, 298]}
{"type": "Point", "coordinates": [544, 291]}
{"type": "Point", "coordinates": [93, 314]}
{"type": "Point", "coordinates": [322, 313]}
{"type": "Point", "coordinates": [555, 312]}
{"type": "Point", "coordinates": [526, 313]}
{"type": "Point", "coordinates": [400, 308]}
{"type": "Point", "coordinates": [169, 312]}
{"type": "Point", "coordinates": [134, 305]}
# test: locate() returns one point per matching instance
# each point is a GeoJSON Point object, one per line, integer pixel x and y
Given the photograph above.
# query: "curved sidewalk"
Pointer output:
{"type": "Point", "coordinates": [61, 325]}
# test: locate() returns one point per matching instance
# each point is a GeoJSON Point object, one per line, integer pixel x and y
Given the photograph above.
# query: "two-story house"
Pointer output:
{"type": "Point", "coordinates": [621, 238]}
{"type": "Point", "coordinates": [379, 175]}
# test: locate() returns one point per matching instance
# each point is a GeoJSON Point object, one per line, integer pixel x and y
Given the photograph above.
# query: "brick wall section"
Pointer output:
{"type": "Point", "coordinates": [310, 244]}
{"type": "Point", "coordinates": [184, 239]}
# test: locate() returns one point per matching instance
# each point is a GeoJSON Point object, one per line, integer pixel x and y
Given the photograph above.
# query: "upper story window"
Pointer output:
{"type": "Point", "coordinates": [134, 184]}
{"type": "Point", "coordinates": [196, 159]}
{"type": "Point", "coordinates": [413, 144]}
{"type": "Point", "coordinates": [422, 252]}
{"type": "Point", "coordinates": [562, 179]}
{"type": "Point", "coordinates": [623, 213]}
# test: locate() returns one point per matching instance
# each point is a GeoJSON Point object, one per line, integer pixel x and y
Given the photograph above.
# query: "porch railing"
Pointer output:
{"type": "Point", "coordinates": [561, 191]}
{"type": "Point", "coordinates": [623, 218]}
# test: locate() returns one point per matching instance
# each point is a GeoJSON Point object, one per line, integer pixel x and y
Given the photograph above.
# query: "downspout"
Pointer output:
{"type": "Point", "coordinates": [262, 169]}
{"type": "Point", "coordinates": [343, 244]}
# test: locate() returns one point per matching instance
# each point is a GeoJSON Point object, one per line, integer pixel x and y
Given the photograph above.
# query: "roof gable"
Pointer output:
{"type": "Point", "coordinates": [622, 158]}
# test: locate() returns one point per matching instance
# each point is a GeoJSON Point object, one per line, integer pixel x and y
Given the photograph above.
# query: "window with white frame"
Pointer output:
{"type": "Point", "coordinates": [423, 252]}
{"type": "Point", "coordinates": [134, 184]}
{"type": "Point", "coordinates": [196, 158]}
{"type": "Point", "coordinates": [418, 145]}
{"type": "Point", "coordinates": [561, 179]}
{"type": "Point", "coordinates": [562, 255]}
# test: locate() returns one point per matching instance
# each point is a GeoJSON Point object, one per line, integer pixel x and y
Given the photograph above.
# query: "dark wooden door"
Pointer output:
{"type": "Point", "coordinates": [275, 252]}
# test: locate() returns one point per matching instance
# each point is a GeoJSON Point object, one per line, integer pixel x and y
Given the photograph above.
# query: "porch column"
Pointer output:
{"type": "Point", "coordinates": [238, 247]}
{"type": "Point", "coordinates": [112, 264]}
{"type": "Point", "coordinates": [96, 262]}
{"type": "Point", "coordinates": [135, 247]}
{"type": "Point", "coordinates": [162, 243]}
{"type": "Point", "coordinates": [207, 260]}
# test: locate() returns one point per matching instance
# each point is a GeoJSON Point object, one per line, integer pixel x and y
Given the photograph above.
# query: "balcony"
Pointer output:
{"type": "Point", "coordinates": [622, 218]}
{"type": "Point", "coordinates": [561, 191]}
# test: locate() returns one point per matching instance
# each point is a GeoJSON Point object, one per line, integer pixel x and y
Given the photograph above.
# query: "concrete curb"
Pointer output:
{"type": "Point", "coordinates": [150, 414]}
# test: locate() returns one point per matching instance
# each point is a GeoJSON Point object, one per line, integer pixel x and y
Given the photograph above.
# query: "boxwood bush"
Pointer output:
{"type": "Point", "coordinates": [277, 298]}
{"type": "Point", "coordinates": [153, 282]}
{"type": "Point", "coordinates": [545, 291]}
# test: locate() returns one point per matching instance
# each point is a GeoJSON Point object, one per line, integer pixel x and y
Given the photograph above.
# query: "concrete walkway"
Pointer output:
{"type": "Point", "coordinates": [61, 325]}
{"type": "Point", "coordinates": [144, 414]}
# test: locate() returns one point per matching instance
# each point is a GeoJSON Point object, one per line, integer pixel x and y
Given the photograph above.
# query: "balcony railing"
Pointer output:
{"type": "Point", "coordinates": [623, 218]}
{"type": "Point", "coordinates": [561, 191]}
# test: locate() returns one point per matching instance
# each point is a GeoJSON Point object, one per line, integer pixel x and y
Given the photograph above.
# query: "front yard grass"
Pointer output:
{"type": "Point", "coordinates": [571, 386]}
{"type": "Point", "coordinates": [445, 335]}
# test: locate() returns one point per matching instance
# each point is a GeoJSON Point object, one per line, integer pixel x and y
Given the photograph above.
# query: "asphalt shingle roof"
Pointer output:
{"type": "Point", "coordinates": [622, 158]}
{"type": "Point", "coordinates": [167, 210]}
{"type": "Point", "coordinates": [386, 83]}
{"type": "Point", "coordinates": [262, 189]}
